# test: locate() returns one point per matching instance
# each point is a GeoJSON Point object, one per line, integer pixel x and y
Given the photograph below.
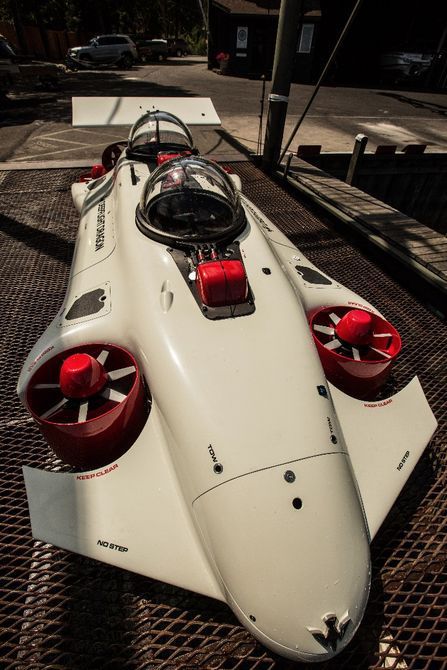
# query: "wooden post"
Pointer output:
{"type": "Point", "coordinates": [287, 164]}
{"type": "Point", "coordinates": [359, 149]}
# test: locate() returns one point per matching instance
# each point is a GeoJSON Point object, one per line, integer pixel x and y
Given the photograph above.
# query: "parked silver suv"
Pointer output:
{"type": "Point", "coordinates": [104, 50]}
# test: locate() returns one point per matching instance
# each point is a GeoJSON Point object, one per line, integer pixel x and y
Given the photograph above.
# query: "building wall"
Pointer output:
{"type": "Point", "coordinates": [254, 56]}
{"type": "Point", "coordinates": [380, 27]}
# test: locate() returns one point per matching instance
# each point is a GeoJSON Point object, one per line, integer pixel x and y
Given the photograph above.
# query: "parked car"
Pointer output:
{"type": "Point", "coordinates": [104, 50]}
{"type": "Point", "coordinates": [178, 47]}
{"type": "Point", "coordinates": [148, 50]}
{"type": "Point", "coordinates": [6, 50]}
{"type": "Point", "coordinates": [405, 65]}
{"type": "Point", "coordinates": [24, 72]}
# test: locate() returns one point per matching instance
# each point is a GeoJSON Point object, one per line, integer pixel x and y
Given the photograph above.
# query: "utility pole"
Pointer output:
{"type": "Point", "coordinates": [205, 21]}
{"type": "Point", "coordinates": [206, 25]}
{"type": "Point", "coordinates": [286, 40]}
{"type": "Point", "coordinates": [352, 16]}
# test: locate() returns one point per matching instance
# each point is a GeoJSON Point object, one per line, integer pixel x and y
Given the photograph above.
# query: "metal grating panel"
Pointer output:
{"type": "Point", "coordinates": [59, 610]}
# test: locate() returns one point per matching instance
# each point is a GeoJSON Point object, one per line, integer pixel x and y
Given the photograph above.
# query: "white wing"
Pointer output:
{"type": "Point", "coordinates": [130, 514]}
{"type": "Point", "coordinates": [385, 440]}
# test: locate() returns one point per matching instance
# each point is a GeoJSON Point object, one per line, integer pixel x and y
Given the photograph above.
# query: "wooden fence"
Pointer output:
{"type": "Point", "coordinates": [42, 43]}
{"type": "Point", "coordinates": [413, 184]}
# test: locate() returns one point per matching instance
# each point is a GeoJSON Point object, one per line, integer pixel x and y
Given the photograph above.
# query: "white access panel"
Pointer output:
{"type": "Point", "coordinates": [124, 111]}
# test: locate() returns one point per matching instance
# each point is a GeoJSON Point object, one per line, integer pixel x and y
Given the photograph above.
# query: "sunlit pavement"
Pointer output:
{"type": "Point", "coordinates": [36, 126]}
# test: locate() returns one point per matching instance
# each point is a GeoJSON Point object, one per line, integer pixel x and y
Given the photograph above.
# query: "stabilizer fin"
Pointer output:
{"type": "Point", "coordinates": [385, 440]}
{"type": "Point", "coordinates": [130, 514]}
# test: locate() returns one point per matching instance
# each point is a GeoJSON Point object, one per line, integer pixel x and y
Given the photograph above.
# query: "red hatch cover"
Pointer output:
{"type": "Point", "coordinates": [222, 283]}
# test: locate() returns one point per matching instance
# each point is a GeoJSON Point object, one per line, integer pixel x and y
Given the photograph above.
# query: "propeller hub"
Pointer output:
{"type": "Point", "coordinates": [355, 328]}
{"type": "Point", "coordinates": [81, 376]}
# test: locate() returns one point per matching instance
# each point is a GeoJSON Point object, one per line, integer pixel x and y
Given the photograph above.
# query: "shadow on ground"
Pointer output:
{"type": "Point", "coordinates": [22, 108]}
{"type": "Point", "coordinates": [176, 61]}
{"type": "Point", "coordinates": [433, 107]}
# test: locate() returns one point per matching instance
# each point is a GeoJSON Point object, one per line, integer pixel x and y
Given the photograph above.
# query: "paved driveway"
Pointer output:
{"type": "Point", "coordinates": [37, 126]}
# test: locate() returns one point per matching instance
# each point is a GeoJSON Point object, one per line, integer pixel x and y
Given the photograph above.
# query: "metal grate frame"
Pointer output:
{"type": "Point", "coordinates": [60, 610]}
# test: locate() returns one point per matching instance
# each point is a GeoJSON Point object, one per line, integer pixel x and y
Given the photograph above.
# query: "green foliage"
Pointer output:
{"type": "Point", "coordinates": [197, 41]}
{"type": "Point", "coordinates": [158, 18]}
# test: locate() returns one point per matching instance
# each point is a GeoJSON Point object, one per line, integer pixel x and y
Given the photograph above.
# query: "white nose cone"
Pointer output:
{"type": "Point", "coordinates": [291, 547]}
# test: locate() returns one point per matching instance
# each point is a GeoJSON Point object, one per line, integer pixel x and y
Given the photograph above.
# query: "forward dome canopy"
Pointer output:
{"type": "Point", "coordinates": [158, 131]}
{"type": "Point", "coordinates": [190, 200]}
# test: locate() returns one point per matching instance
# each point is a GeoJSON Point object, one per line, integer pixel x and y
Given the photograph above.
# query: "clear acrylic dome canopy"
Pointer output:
{"type": "Point", "coordinates": [158, 131]}
{"type": "Point", "coordinates": [190, 200]}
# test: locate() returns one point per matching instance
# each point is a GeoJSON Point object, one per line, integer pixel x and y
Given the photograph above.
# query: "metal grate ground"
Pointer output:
{"type": "Point", "coordinates": [59, 610]}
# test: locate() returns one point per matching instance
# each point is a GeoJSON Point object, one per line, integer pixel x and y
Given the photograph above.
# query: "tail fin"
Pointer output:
{"type": "Point", "coordinates": [123, 111]}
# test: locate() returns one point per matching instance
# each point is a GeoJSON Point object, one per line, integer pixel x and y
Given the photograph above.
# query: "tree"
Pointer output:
{"type": "Point", "coordinates": [158, 18]}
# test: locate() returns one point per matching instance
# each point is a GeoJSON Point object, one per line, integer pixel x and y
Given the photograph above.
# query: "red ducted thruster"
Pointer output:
{"type": "Point", "coordinates": [356, 348]}
{"type": "Point", "coordinates": [90, 403]}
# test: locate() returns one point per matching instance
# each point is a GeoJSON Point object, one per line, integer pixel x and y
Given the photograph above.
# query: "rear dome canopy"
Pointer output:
{"type": "Point", "coordinates": [158, 131]}
{"type": "Point", "coordinates": [190, 200]}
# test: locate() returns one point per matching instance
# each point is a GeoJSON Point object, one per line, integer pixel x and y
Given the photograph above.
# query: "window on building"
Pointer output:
{"type": "Point", "coordinates": [306, 38]}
